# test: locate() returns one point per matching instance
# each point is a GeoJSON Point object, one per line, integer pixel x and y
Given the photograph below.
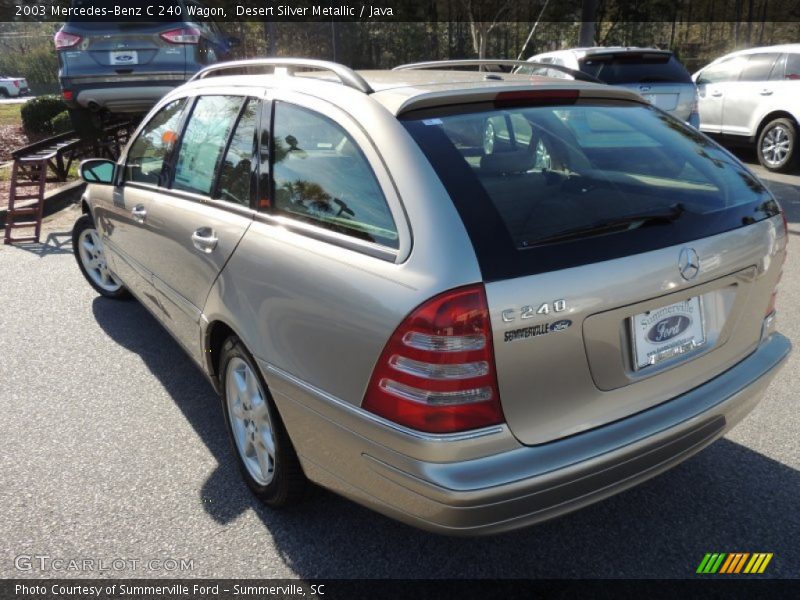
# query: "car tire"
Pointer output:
{"type": "Point", "coordinates": [90, 254]}
{"type": "Point", "coordinates": [4, 93]}
{"type": "Point", "coordinates": [264, 453]}
{"type": "Point", "coordinates": [87, 124]}
{"type": "Point", "coordinates": [777, 145]}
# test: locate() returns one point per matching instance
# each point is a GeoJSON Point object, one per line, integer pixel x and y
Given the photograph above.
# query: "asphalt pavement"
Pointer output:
{"type": "Point", "coordinates": [113, 448]}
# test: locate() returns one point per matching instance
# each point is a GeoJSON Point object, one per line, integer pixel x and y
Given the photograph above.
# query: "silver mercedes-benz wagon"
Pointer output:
{"type": "Point", "coordinates": [469, 300]}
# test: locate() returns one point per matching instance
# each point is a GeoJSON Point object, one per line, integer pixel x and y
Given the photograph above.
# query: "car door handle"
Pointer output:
{"type": "Point", "coordinates": [716, 94]}
{"type": "Point", "coordinates": [205, 240]}
{"type": "Point", "coordinates": [139, 213]}
{"type": "Point", "coordinates": [766, 92]}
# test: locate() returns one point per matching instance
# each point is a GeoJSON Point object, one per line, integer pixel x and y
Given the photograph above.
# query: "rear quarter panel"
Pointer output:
{"type": "Point", "coordinates": [785, 99]}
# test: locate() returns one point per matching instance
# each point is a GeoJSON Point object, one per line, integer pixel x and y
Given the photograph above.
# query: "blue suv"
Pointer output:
{"type": "Point", "coordinates": [126, 67]}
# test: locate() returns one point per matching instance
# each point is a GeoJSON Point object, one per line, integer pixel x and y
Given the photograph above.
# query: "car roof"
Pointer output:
{"type": "Point", "coordinates": [589, 50]}
{"type": "Point", "coordinates": [780, 48]}
{"type": "Point", "coordinates": [403, 90]}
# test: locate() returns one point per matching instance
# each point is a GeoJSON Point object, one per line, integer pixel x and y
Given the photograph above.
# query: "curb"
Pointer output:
{"type": "Point", "coordinates": [55, 200]}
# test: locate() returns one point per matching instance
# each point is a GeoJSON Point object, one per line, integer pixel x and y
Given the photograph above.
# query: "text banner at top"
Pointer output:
{"type": "Point", "coordinates": [390, 11]}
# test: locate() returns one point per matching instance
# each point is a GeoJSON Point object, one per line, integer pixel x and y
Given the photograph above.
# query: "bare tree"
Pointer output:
{"type": "Point", "coordinates": [483, 16]}
{"type": "Point", "coordinates": [588, 23]}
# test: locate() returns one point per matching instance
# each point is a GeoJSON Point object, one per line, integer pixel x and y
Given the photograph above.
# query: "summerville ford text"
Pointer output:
{"type": "Point", "coordinates": [171, 590]}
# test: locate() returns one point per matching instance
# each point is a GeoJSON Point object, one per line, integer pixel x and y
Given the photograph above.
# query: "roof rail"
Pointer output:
{"type": "Point", "coordinates": [443, 64]}
{"type": "Point", "coordinates": [346, 75]}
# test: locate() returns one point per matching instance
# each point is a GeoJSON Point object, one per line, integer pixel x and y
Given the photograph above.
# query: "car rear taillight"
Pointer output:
{"type": "Point", "coordinates": [437, 372]}
{"type": "Point", "coordinates": [66, 40]}
{"type": "Point", "coordinates": [694, 115]}
{"type": "Point", "coordinates": [769, 314]}
{"type": "Point", "coordinates": [67, 95]}
{"type": "Point", "coordinates": [183, 35]}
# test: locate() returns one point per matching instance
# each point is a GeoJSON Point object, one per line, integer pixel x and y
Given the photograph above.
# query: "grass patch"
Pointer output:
{"type": "Point", "coordinates": [10, 114]}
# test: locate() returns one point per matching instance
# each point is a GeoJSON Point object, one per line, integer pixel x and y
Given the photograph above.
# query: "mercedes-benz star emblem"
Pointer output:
{"type": "Point", "coordinates": [688, 264]}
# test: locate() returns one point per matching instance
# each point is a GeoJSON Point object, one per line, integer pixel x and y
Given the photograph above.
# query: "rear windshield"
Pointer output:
{"type": "Point", "coordinates": [546, 187]}
{"type": "Point", "coordinates": [633, 67]}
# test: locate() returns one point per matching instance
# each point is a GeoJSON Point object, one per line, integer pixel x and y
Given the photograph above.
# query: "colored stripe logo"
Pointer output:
{"type": "Point", "coordinates": [734, 563]}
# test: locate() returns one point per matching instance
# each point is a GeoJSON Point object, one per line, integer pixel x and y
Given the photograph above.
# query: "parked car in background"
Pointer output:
{"type": "Point", "coordinates": [401, 304]}
{"type": "Point", "coordinates": [753, 97]}
{"type": "Point", "coordinates": [656, 75]}
{"type": "Point", "coordinates": [126, 67]}
{"type": "Point", "coordinates": [13, 87]}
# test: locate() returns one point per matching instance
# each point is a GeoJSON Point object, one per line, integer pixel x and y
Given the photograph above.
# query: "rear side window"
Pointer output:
{"type": "Point", "coordinates": [546, 187]}
{"type": "Point", "coordinates": [203, 142]}
{"type": "Point", "coordinates": [633, 67]}
{"type": "Point", "coordinates": [758, 67]}
{"type": "Point", "coordinates": [322, 177]}
{"type": "Point", "coordinates": [155, 142]}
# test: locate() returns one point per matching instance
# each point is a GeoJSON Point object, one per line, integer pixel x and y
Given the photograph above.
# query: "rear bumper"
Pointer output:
{"type": "Point", "coordinates": [123, 95]}
{"type": "Point", "coordinates": [435, 483]}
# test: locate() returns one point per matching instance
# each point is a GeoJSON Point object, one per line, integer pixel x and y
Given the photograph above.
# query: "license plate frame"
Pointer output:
{"type": "Point", "coordinates": [123, 58]}
{"type": "Point", "coordinates": [667, 332]}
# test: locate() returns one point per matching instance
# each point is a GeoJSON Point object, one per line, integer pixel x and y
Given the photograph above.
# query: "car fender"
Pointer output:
{"type": "Point", "coordinates": [774, 107]}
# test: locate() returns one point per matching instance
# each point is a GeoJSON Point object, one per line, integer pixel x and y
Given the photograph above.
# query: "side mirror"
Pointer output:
{"type": "Point", "coordinates": [98, 170]}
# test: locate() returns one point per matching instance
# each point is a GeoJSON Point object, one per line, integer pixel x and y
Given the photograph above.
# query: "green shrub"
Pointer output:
{"type": "Point", "coordinates": [38, 114]}
{"type": "Point", "coordinates": [61, 123]}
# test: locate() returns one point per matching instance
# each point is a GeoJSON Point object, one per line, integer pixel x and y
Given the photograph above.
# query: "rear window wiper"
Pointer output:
{"type": "Point", "coordinates": [624, 222]}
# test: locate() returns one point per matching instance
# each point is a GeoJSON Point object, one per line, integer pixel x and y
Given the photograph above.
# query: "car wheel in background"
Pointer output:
{"type": "Point", "coordinates": [87, 124]}
{"type": "Point", "coordinates": [777, 145]}
{"type": "Point", "coordinates": [88, 250]}
{"type": "Point", "coordinates": [3, 93]}
{"type": "Point", "coordinates": [264, 452]}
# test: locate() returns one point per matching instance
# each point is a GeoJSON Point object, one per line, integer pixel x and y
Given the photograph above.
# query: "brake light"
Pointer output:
{"type": "Point", "coordinates": [437, 372]}
{"type": "Point", "coordinates": [535, 97]}
{"type": "Point", "coordinates": [67, 95]}
{"type": "Point", "coordinates": [774, 296]}
{"type": "Point", "coordinates": [66, 40]}
{"type": "Point", "coordinates": [182, 35]}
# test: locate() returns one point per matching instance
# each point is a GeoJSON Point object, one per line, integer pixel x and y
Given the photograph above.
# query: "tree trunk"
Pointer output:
{"type": "Point", "coordinates": [588, 25]}
{"type": "Point", "coordinates": [269, 33]}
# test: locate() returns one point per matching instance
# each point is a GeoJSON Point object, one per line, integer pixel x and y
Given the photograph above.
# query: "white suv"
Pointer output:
{"type": "Point", "coordinates": [752, 96]}
{"type": "Point", "coordinates": [13, 87]}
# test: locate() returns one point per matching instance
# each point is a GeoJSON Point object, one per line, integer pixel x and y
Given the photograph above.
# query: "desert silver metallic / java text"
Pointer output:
{"type": "Point", "coordinates": [250, 421]}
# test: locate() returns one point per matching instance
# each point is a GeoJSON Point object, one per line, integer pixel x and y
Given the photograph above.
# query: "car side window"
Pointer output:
{"type": "Point", "coordinates": [204, 141]}
{"type": "Point", "coordinates": [148, 152]}
{"type": "Point", "coordinates": [727, 70]}
{"type": "Point", "coordinates": [236, 171]}
{"type": "Point", "coordinates": [322, 177]}
{"type": "Point", "coordinates": [758, 67]}
{"type": "Point", "coordinates": [792, 67]}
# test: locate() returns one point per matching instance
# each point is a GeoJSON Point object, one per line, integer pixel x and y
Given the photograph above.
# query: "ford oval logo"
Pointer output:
{"type": "Point", "coordinates": [561, 325]}
{"type": "Point", "coordinates": [668, 328]}
{"type": "Point", "coordinates": [124, 58]}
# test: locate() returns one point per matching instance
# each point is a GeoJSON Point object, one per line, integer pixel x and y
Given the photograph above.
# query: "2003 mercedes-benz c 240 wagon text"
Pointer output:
{"type": "Point", "coordinates": [471, 301]}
